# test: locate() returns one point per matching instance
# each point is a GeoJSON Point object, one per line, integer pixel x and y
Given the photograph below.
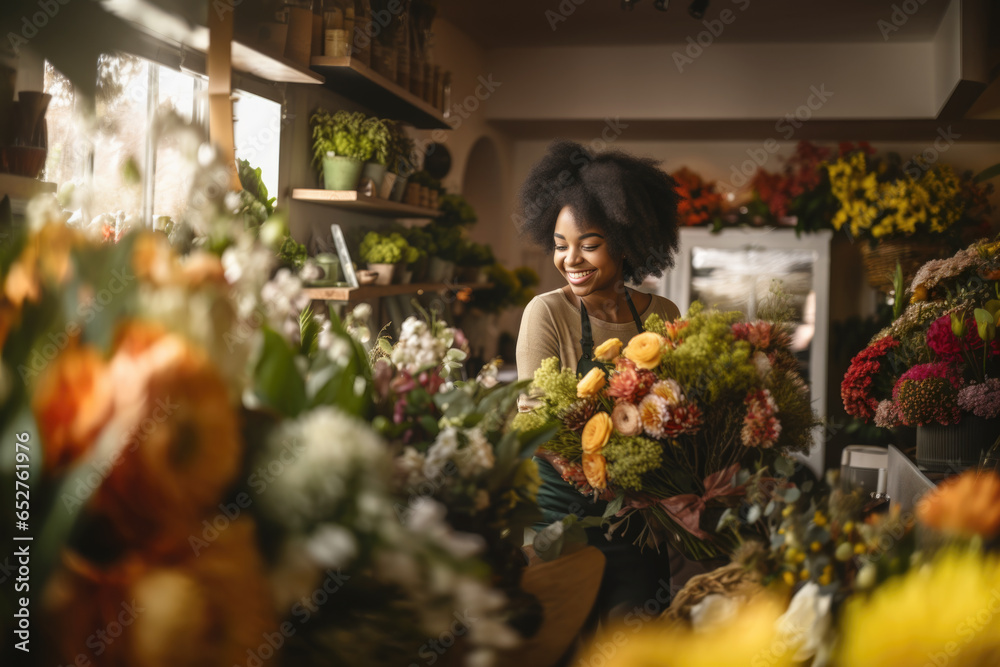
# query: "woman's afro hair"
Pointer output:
{"type": "Point", "coordinates": [630, 199]}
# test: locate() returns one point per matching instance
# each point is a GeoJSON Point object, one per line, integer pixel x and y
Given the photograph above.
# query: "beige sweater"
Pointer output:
{"type": "Point", "coordinates": [550, 327]}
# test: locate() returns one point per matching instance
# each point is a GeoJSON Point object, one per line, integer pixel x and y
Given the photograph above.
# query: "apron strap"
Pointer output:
{"type": "Point", "coordinates": [586, 362]}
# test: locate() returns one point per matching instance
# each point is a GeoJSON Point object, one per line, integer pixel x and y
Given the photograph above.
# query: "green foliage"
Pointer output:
{"type": "Point", "coordinates": [447, 240]}
{"type": "Point", "coordinates": [376, 139]}
{"type": "Point", "coordinates": [471, 253]}
{"type": "Point", "coordinates": [423, 178]}
{"type": "Point", "coordinates": [340, 133]}
{"type": "Point", "coordinates": [276, 380]}
{"type": "Point", "coordinates": [253, 184]}
{"type": "Point", "coordinates": [511, 289]}
{"type": "Point", "coordinates": [631, 457]}
{"type": "Point", "coordinates": [455, 211]}
{"type": "Point", "coordinates": [386, 249]}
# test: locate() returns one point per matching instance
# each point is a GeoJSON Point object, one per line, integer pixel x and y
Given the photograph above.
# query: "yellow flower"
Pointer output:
{"type": "Point", "coordinates": [644, 350]}
{"type": "Point", "coordinates": [608, 350]}
{"type": "Point", "coordinates": [591, 383]}
{"type": "Point", "coordinates": [751, 637]}
{"type": "Point", "coordinates": [947, 609]}
{"type": "Point", "coordinates": [966, 505]}
{"type": "Point", "coordinates": [596, 433]}
{"type": "Point", "coordinates": [595, 469]}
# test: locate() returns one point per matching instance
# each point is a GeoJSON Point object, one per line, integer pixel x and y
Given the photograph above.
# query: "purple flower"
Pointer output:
{"type": "Point", "coordinates": [982, 400]}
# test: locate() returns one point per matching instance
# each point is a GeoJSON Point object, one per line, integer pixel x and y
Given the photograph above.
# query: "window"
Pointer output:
{"type": "Point", "coordinates": [111, 151]}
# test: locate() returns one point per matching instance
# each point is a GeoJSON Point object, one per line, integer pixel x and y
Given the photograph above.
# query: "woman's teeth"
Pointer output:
{"type": "Point", "coordinates": [579, 276]}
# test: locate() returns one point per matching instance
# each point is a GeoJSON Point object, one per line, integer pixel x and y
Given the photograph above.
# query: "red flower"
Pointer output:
{"type": "Point", "coordinates": [628, 383]}
{"type": "Point", "coordinates": [856, 389]}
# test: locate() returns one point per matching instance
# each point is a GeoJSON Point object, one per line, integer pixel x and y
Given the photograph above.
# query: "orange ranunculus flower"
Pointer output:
{"type": "Point", "coordinates": [202, 267]}
{"type": "Point", "coordinates": [591, 383]}
{"type": "Point", "coordinates": [966, 505]}
{"type": "Point", "coordinates": [645, 350]}
{"type": "Point", "coordinates": [154, 260]}
{"type": "Point", "coordinates": [608, 350]}
{"type": "Point", "coordinates": [595, 469]}
{"type": "Point", "coordinates": [175, 435]}
{"type": "Point", "coordinates": [596, 433]}
{"type": "Point", "coordinates": [72, 402]}
{"type": "Point", "coordinates": [206, 607]}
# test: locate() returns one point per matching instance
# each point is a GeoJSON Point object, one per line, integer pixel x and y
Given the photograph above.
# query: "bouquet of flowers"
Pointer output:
{"type": "Point", "coordinates": [687, 411]}
{"type": "Point", "coordinates": [452, 443]}
{"type": "Point", "coordinates": [939, 360]}
{"type": "Point", "coordinates": [700, 204]}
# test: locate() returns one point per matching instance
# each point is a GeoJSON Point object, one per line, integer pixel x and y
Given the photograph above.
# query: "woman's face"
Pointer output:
{"type": "Point", "coordinates": [583, 257]}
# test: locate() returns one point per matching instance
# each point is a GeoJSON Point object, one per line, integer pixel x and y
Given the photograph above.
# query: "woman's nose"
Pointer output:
{"type": "Point", "coordinates": [572, 255]}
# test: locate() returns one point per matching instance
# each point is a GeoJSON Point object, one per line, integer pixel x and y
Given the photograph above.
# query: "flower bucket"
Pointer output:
{"type": "Point", "coordinates": [374, 171]}
{"type": "Point", "coordinates": [386, 185]}
{"type": "Point", "coordinates": [341, 173]}
{"type": "Point", "coordinates": [438, 270]}
{"type": "Point", "coordinates": [880, 261]}
{"type": "Point", "coordinates": [955, 447]}
{"type": "Point", "coordinates": [384, 273]}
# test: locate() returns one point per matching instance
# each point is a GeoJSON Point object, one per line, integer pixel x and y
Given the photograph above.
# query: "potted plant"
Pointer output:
{"type": "Point", "coordinates": [399, 160]}
{"type": "Point", "coordinates": [471, 259]}
{"type": "Point", "coordinates": [937, 366]}
{"type": "Point", "coordinates": [338, 149]}
{"type": "Point", "coordinates": [447, 240]}
{"type": "Point", "coordinates": [383, 253]}
{"type": "Point", "coordinates": [423, 242]}
{"type": "Point", "coordinates": [376, 138]}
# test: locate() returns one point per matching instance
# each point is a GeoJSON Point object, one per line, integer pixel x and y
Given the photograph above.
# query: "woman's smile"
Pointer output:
{"type": "Point", "coordinates": [580, 277]}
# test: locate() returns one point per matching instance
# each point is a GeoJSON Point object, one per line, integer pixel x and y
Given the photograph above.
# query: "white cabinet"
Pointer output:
{"type": "Point", "coordinates": [735, 269]}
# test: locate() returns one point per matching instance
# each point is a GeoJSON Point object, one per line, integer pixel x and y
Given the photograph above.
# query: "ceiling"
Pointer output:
{"type": "Point", "coordinates": [524, 23]}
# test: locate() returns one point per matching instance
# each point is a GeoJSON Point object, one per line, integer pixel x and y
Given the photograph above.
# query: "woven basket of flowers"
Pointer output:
{"type": "Point", "coordinates": [880, 260]}
{"type": "Point", "coordinates": [731, 581]}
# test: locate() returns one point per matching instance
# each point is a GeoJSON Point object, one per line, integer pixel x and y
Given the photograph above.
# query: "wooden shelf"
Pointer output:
{"type": "Point", "coordinates": [353, 200]}
{"type": "Point", "coordinates": [350, 78]}
{"type": "Point", "coordinates": [366, 292]}
{"type": "Point", "coordinates": [248, 56]}
{"type": "Point", "coordinates": [21, 189]}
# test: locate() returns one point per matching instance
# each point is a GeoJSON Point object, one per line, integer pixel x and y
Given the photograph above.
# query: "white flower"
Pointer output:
{"type": "Point", "coordinates": [806, 623]}
{"type": "Point", "coordinates": [332, 546]}
{"type": "Point", "coordinates": [409, 467]}
{"type": "Point", "coordinates": [714, 613]}
{"type": "Point", "coordinates": [312, 461]}
{"type": "Point", "coordinates": [444, 448]}
{"type": "Point", "coordinates": [476, 456]}
{"type": "Point", "coordinates": [427, 518]}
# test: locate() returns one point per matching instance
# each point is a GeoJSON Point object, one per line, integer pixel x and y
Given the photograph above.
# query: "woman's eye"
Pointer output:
{"type": "Point", "coordinates": [560, 247]}
{"type": "Point", "coordinates": [590, 248]}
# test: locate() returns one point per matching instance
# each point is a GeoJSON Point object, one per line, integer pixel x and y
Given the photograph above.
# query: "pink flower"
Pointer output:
{"type": "Point", "coordinates": [887, 415]}
{"type": "Point", "coordinates": [982, 400]}
{"type": "Point", "coordinates": [761, 427]}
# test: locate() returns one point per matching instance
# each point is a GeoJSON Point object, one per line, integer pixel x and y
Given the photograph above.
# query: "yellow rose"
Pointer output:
{"type": "Point", "coordinates": [596, 433]}
{"type": "Point", "coordinates": [595, 469]}
{"type": "Point", "coordinates": [608, 350]}
{"type": "Point", "coordinates": [645, 350]}
{"type": "Point", "coordinates": [591, 383]}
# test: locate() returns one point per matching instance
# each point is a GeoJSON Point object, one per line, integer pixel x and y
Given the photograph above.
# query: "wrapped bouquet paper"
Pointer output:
{"type": "Point", "coordinates": [677, 422]}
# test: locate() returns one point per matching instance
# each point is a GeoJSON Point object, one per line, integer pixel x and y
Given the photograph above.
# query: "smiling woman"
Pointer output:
{"type": "Point", "coordinates": [608, 219]}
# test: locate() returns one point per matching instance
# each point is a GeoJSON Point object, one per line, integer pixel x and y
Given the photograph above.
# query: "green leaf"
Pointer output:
{"type": "Point", "coordinates": [277, 382]}
{"type": "Point", "coordinates": [753, 514]}
{"type": "Point", "coordinates": [614, 506]}
{"type": "Point", "coordinates": [784, 466]}
{"type": "Point", "coordinates": [987, 174]}
{"type": "Point", "coordinates": [791, 495]}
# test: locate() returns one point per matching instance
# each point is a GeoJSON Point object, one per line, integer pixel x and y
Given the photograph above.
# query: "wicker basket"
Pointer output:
{"type": "Point", "coordinates": [880, 261]}
{"type": "Point", "coordinates": [733, 581]}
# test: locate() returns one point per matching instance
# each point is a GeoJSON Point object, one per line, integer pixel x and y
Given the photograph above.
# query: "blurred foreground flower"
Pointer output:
{"type": "Point", "coordinates": [945, 612]}
{"type": "Point", "coordinates": [966, 505]}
